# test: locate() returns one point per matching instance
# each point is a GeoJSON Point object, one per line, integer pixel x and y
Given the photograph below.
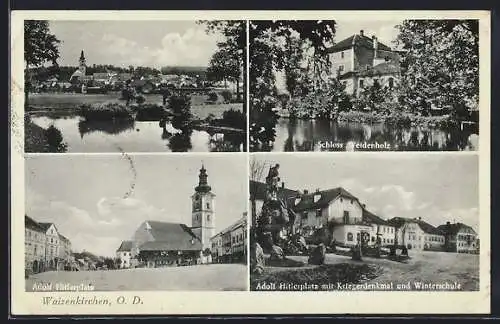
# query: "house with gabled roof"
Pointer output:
{"type": "Point", "coordinates": [51, 245]}
{"type": "Point", "coordinates": [164, 243]}
{"type": "Point", "coordinates": [416, 234]}
{"type": "Point", "coordinates": [159, 243]}
{"type": "Point", "coordinates": [124, 254]}
{"type": "Point", "coordinates": [382, 230]}
{"type": "Point", "coordinates": [360, 61]}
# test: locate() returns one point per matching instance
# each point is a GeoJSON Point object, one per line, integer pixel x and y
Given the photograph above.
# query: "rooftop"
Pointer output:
{"type": "Point", "coordinates": [171, 237]}
{"type": "Point", "coordinates": [358, 40]}
{"type": "Point", "coordinates": [308, 201]}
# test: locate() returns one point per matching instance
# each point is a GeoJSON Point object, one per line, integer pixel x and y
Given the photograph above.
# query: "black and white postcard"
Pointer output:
{"type": "Point", "coordinates": [249, 162]}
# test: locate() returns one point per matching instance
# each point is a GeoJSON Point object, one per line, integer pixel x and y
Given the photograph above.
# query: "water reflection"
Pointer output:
{"type": "Point", "coordinates": [107, 127]}
{"type": "Point", "coordinates": [304, 135]}
{"type": "Point", "coordinates": [132, 136]}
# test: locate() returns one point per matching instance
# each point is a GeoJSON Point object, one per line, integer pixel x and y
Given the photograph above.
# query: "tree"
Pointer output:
{"type": "Point", "coordinates": [233, 47]}
{"type": "Point", "coordinates": [223, 66]}
{"type": "Point", "coordinates": [267, 55]}
{"type": "Point", "coordinates": [440, 63]}
{"type": "Point", "coordinates": [257, 172]}
{"type": "Point", "coordinates": [40, 46]}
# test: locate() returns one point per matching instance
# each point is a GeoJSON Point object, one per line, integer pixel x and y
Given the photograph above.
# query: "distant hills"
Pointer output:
{"type": "Point", "coordinates": [186, 70]}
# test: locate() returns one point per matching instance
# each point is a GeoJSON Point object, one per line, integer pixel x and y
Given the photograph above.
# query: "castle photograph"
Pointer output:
{"type": "Point", "coordinates": [135, 222]}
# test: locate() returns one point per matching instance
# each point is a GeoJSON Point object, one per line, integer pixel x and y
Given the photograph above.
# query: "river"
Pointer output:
{"type": "Point", "coordinates": [322, 135]}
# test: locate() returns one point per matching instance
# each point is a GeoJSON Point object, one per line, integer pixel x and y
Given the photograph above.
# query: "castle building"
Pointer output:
{"type": "Point", "coordinates": [360, 61]}
{"type": "Point", "coordinates": [158, 243]}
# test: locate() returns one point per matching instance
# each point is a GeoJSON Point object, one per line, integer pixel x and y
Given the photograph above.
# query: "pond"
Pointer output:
{"type": "Point", "coordinates": [324, 135]}
{"type": "Point", "coordinates": [84, 136]}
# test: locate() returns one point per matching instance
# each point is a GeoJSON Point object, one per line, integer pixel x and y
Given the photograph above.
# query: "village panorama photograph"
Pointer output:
{"type": "Point", "coordinates": [135, 86]}
{"type": "Point", "coordinates": [378, 222]}
{"type": "Point", "coordinates": [364, 85]}
{"type": "Point", "coordinates": [135, 223]}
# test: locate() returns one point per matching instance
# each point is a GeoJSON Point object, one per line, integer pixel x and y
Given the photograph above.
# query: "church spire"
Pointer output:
{"type": "Point", "coordinates": [82, 58]}
{"type": "Point", "coordinates": [203, 182]}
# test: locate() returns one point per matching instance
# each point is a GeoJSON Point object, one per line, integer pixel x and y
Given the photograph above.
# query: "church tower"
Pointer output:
{"type": "Point", "coordinates": [203, 210]}
{"type": "Point", "coordinates": [83, 66]}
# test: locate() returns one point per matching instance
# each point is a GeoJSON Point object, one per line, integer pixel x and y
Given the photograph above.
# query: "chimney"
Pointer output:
{"type": "Point", "coordinates": [362, 32]}
{"type": "Point", "coordinates": [420, 218]}
{"type": "Point", "coordinates": [447, 223]}
{"type": "Point", "coordinates": [306, 191]}
{"type": "Point", "coordinates": [317, 189]}
{"type": "Point", "coordinates": [364, 205]}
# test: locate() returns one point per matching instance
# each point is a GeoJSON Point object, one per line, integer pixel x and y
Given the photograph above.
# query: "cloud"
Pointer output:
{"type": "Point", "coordinates": [191, 48]}
{"type": "Point", "coordinates": [99, 232]}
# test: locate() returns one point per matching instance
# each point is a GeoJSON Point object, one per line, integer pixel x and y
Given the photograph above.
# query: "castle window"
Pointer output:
{"type": "Point", "coordinates": [341, 67]}
{"type": "Point", "coordinates": [318, 212]}
{"type": "Point", "coordinates": [361, 83]}
{"type": "Point", "coordinates": [350, 237]}
{"type": "Point", "coordinates": [341, 54]}
{"type": "Point", "coordinates": [391, 83]}
{"type": "Point", "coordinates": [208, 205]}
{"type": "Point", "coordinates": [208, 218]}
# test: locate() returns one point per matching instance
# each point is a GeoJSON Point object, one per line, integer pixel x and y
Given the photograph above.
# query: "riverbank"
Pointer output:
{"type": "Point", "coordinates": [395, 119]}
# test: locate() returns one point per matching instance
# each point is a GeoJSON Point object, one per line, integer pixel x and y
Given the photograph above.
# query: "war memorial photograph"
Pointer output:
{"type": "Point", "coordinates": [136, 223]}
{"type": "Point", "coordinates": [364, 85]}
{"type": "Point", "coordinates": [102, 86]}
{"type": "Point", "coordinates": [377, 222]}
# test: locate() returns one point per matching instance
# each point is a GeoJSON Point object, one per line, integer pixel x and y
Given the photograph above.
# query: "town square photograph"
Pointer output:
{"type": "Point", "coordinates": [364, 222]}
{"type": "Point", "coordinates": [123, 222]}
{"type": "Point", "coordinates": [135, 86]}
{"type": "Point", "coordinates": [364, 84]}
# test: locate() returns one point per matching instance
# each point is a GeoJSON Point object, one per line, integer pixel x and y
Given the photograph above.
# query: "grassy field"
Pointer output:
{"type": "Point", "coordinates": [428, 267]}
{"type": "Point", "coordinates": [200, 277]}
{"type": "Point", "coordinates": [74, 100]}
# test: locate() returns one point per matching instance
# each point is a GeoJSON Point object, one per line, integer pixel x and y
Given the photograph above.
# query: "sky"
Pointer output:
{"type": "Point", "coordinates": [124, 43]}
{"type": "Point", "coordinates": [97, 201]}
{"type": "Point", "coordinates": [437, 187]}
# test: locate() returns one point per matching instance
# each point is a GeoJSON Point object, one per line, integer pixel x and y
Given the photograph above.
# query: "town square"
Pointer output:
{"type": "Point", "coordinates": [160, 224]}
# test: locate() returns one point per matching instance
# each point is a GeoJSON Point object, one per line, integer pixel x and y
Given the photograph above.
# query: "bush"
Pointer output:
{"type": "Point", "coordinates": [106, 111]}
{"type": "Point", "coordinates": [180, 107]}
{"type": "Point", "coordinates": [227, 95]}
{"type": "Point", "coordinates": [140, 99]}
{"type": "Point", "coordinates": [150, 112]}
{"type": "Point", "coordinates": [55, 140]}
{"type": "Point", "coordinates": [234, 118]}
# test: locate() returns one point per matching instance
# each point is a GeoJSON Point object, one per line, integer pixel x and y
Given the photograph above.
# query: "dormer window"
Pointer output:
{"type": "Point", "coordinates": [317, 197]}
